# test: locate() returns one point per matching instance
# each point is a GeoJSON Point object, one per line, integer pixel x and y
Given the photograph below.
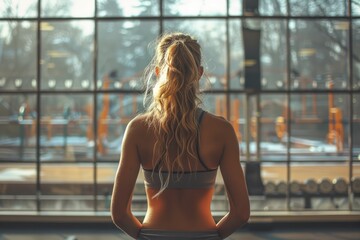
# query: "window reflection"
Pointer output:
{"type": "Point", "coordinates": [124, 52]}
{"type": "Point", "coordinates": [319, 54]}
{"type": "Point", "coordinates": [318, 7]}
{"type": "Point", "coordinates": [194, 8]}
{"type": "Point", "coordinates": [355, 7]}
{"type": "Point", "coordinates": [356, 54]}
{"type": "Point", "coordinates": [67, 187]}
{"type": "Point", "coordinates": [18, 116]}
{"type": "Point", "coordinates": [18, 8]}
{"type": "Point", "coordinates": [17, 187]}
{"type": "Point", "coordinates": [18, 55]}
{"type": "Point", "coordinates": [67, 55]}
{"type": "Point", "coordinates": [319, 127]}
{"type": "Point", "coordinates": [66, 127]}
{"type": "Point", "coordinates": [67, 8]}
{"type": "Point", "coordinates": [128, 8]}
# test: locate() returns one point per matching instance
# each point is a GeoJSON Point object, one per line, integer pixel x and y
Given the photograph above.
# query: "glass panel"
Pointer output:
{"type": "Point", "coordinates": [236, 54]}
{"type": "Point", "coordinates": [131, 8]}
{"type": "Point", "coordinates": [356, 127]}
{"type": "Point", "coordinates": [18, 55]}
{"type": "Point", "coordinates": [319, 52]}
{"type": "Point", "coordinates": [114, 113]}
{"type": "Point", "coordinates": [17, 186]}
{"type": "Point", "coordinates": [66, 127]}
{"type": "Point", "coordinates": [194, 8]}
{"type": "Point", "coordinates": [18, 115]}
{"type": "Point", "coordinates": [319, 127]}
{"type": "Point", "coordinates": [274, 183]}
{"type": "Point", "coordinates": [212, 38]}
{"type": "Point", "coordinates": [318, 7]}
{"type": "Point", "coordinates": [356, 185]}
{"type": "Point", "coordinates": [67, 55]}
{"type": "Point", "coordinates": [67, 8]}
{"type": "Point", "coordinates": [18, 8]}
{"type": "Point", "coordinates": [319, 186]}
{"type": "Point", "coordinates": [356, 152]}
{"type": "Point", "coordinates": [355, 7]}
{"type": "Point", "coordinates": [235, 7]}
{"type": "Point", "coordinates": [272, 7]}
{"type": "Point", "coordinates": [356, 53]}
{"type": "Point", "coordinates": [273, 54]}
{"type": "Point", "coordinates": [123, 52]}
{"type": "Point", "coordinates": [274, 119]}
{"type": "Point", "coordinates": [66, 187]}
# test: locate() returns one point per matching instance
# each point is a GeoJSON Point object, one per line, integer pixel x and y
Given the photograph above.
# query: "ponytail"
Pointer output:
{"type": "Point", "coordinates": [172, 112]}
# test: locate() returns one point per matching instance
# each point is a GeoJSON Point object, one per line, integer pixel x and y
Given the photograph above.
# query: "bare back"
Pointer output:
{"type": "Point", "coordinates": [183, 209]}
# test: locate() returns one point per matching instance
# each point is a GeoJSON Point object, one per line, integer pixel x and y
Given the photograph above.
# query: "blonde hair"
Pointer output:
{"type": "Point", "coordinates": [172, 109]}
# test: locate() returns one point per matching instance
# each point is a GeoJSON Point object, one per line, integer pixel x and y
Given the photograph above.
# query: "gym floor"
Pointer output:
{"type": "Point", "coordinates": [93, 231]}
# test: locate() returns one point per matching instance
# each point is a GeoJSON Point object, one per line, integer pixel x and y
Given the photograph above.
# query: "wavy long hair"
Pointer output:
{"type": "Point", "coordinates": [173, 104]}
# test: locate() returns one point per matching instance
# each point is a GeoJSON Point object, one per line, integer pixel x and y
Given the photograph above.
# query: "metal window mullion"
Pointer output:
{"type": "Point", "coordinates": [288, 99]}
{"type": "Point", "coordinates": [351, 118]}
{"type": "Point", "coordinates": [94, 95]}
{"type": "Point", "coordinates": [38, 106]}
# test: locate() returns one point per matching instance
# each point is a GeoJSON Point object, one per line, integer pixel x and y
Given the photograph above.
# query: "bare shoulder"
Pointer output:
{"type": "Point", "coordinates": [137, 125]}
{"type": "Point", "coordinates": [218, 123]}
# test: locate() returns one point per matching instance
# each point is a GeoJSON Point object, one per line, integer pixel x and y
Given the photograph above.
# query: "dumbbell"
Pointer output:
{"type": "Point", "coordinates": [340, 186]}
{"type": "Point", "coordinates": [295, 187]}
{"type": "Point", "coordinates": [311, 186]}
{"type": "Point", "coordinates": [356, 185]}
{"type": "Point", "coordinates": [325, 186]}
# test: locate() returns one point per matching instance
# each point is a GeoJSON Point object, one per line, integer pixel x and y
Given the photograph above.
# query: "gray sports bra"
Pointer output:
{"type": "Point", "coordinates": [193, 180]}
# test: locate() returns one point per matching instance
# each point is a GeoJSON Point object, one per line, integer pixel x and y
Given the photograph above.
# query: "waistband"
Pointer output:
{"type": "Point", "coordinates": [154, 234]}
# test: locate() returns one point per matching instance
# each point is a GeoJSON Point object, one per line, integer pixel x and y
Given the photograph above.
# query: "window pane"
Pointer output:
{"type": "Point", "coordinates": [18, 8]}
{"type": "Point", "coordinates": [18, 55]}
{"type": "Point", "coordinates": [272, 7]}
{"type": "Point", "coordinates": [17, 186]}
{"type": "Point", "coordinates": [67, 55]}
{"type": "Point", "coordinates": [194, 8]}
{"type": "Point", "coordinates": [356, 152]}
{"type": "Point", "coordinates": [67, 8]}
{"type": "Point", "coordinates": [319, 52]}
{"type": "Point", "coordinates": [356, 126]}
{"type": "Point", "coordinates": [66, 187]}
{"type": "Point", "coordinates": [131, 8]}
{"type": "Point", "coordinates": [316, 186]}
{"type": "Point", "coordinates": [318, 7]}
{"type": "Point", "coordinates": [274, 119]}
{"type": "Point", "coordinates": [237, 57]}
{"type": "Point", "coordinates": [67, 127]}
{"type": "Point", "coordinates": [18, 115]}
{"type": "Point", "coordinates": [212, 38]}
{"type": "Point", "coordinates": [114, 113]}
{"type": "Point", "coordinates": [319, 127]}
{"type": "Point", "coordinates": [124, 52]}
{"type": "Point", "coordinates": [274, 178]}
{"type": "Point", "coordinates": [273, 54]}
{"type": "Point", "coordinates": [356, 185]}
{"type": "Point", "coordinates": [356, 54]}
{"type": "Point", "coordinates": [235, 7]}
{"type": "Point", "coordinates": [355, 7]}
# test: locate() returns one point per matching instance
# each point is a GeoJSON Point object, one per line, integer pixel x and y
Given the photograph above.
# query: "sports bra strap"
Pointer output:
{"type": "Point", "coordinates": [198, 139]}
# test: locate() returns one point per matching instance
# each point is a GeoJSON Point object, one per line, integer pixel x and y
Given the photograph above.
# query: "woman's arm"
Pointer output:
{"type": "Point", "coordinates": [125, 179]}
{"type": "Point", "coordinates": [235, 185]}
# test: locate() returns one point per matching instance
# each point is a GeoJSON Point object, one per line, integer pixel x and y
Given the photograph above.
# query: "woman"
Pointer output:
{"type": "Point", "coordinates": [179, 147]}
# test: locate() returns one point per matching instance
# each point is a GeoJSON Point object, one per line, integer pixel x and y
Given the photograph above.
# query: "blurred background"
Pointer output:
{"type": "Point", "coordinates": [286, 73]}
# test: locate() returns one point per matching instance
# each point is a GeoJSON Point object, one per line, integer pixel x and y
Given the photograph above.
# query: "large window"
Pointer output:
{"type": "Point", "coordinates": [71, 79]}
